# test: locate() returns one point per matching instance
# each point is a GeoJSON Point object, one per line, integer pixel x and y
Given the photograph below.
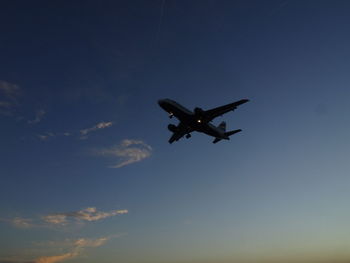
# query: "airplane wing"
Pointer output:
{"type": "Point", "coordinates": [213, 113]}
{"type": "Point", "coordinates": [182, 131]}
{"type": "Point", "coordinates": [181, 114]}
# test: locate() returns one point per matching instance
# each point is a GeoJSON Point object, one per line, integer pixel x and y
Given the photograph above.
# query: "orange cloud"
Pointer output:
{"type": "Point", "coordinates": [58, 258]}
{"type": "Point", "coordinates": [78, 247]}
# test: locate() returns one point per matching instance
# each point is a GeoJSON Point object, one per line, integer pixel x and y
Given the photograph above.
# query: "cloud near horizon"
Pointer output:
{"type": "Point", "coordinates": [58, 258]}
{"type": "Point", "coordinates": [77, 247]}
{"type": "Point", "coordinates": [331, 258]}
{"type": "Point", "coordinates": [129, 151]}
{"type": "Point", "coordinates": [72, 248]}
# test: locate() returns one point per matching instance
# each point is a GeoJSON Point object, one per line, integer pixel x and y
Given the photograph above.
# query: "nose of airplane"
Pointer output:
{"type": "Point", "coordinates": [161, 102]}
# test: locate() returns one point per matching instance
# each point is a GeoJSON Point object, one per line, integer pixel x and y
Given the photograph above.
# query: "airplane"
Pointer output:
{"type": "Point", "coordinates": [199, 120]}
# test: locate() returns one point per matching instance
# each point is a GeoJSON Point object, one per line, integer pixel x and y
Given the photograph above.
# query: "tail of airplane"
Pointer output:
{"type": "Point", "coordinates": [222, 126]}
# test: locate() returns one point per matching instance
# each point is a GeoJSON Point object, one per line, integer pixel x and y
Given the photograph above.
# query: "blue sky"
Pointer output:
{"type": "Point", "coordinates": [87, 174]}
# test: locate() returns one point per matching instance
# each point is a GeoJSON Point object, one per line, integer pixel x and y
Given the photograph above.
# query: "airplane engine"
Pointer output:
{"type": "Point", "coordinates": [172, 128]}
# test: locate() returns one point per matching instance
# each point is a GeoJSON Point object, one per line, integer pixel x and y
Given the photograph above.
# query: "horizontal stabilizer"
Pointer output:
{"type": "Point", "coordinates": [227, 134]}
{"type": "Point", "coordinates": [232, 132]}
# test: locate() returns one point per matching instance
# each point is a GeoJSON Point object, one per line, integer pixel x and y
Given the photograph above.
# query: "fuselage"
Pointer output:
{"type": "Point", "coordinates": [191, 119]}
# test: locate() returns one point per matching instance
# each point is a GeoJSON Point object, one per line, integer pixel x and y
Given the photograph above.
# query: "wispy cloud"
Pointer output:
{"type": "Point", "coordinates": [5, 104]}
{"type": "Point", "coordinates": [56, 219]}
{"type": "Point", "coordinates": [128, 151]}
{"type": "Point", "coordinates": [84, 242]}
{"type": "Point", "coordinates": [19, 222]}
{"type": "Point", "coordinates": [9, 102]}
{"type": "Point", "coordinates": [46, 136]}
{"type": "Point", "coordinates": [22, 222]}
{"type": "Point", "coordinates": [88, 214]}
{"type": "Point", "coordinates": [38, 117]}
{"type": "Point", "coordinates": [10, 90]}
{"type": "Point", "coordinates": [9, 94]}
{"type": "Point", "coordinates": [102, 125]}
{"type": "Point", "coordinates": [82, 134]}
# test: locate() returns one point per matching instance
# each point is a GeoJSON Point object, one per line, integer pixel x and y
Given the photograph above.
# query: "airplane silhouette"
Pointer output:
{"type": "Point", "coordinates": [199, 120]}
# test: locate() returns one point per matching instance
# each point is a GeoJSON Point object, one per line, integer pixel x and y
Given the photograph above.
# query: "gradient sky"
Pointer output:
{"type": "Point", "coordinates": [87, 174]}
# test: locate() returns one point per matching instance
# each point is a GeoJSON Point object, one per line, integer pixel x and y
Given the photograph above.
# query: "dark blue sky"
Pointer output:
{"type": "Point", "coordinates": [87, 174]}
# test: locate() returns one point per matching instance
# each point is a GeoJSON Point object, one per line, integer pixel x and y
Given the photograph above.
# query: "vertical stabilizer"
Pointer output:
{"type": "Point", "coordinates": [222, 126]}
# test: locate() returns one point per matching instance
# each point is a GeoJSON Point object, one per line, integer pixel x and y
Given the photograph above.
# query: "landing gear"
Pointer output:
{"type": "Point", "coordinates": [188, 136]}
{"type": "Point", "coordinates": [171, 115]}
